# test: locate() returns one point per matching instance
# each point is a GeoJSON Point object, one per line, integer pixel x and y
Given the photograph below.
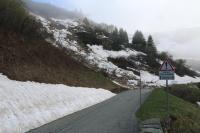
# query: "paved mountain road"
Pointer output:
{"type": "Point", "coordinates": [115, 115]}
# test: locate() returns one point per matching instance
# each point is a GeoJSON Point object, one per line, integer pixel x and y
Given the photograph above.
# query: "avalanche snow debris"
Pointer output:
{"type": "Point", "coordinates": [97, 55]}
{"type": "Point", "coordinates": [28, 105]}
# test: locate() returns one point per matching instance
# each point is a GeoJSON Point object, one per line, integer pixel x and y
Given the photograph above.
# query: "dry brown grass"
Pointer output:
{"type": "Point", "coordinates": [24, 58]}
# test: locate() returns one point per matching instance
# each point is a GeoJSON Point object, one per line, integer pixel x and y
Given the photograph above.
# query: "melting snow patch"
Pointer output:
{"type": "Point", "coordinates": [27, 105]}
{"type": "Point", "coordinates": [113, 54]}
{"type": "Point", "coordinates": [186, 79]}
{"type": "Point", "coordinates": [198, 103]}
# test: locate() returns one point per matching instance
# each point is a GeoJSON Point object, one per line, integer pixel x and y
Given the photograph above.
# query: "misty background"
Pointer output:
{"type": "Point", "coordinates": [174, 24]}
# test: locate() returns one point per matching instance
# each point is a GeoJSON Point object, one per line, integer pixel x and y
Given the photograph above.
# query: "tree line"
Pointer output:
{"type": "Point", "coordinates": [12, 14]}
{"type": "Point", "coordinates": [115, 39]}
{"type": "Point", "coordinates": [139, 43]}
{"type": "Point", "coordinates": [15, 18]}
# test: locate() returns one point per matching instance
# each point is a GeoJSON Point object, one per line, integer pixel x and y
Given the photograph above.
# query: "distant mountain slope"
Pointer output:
{"type": "Point", "coordinates": [48, 10]}
{"type": "Point", "coordinates": [195, 64]}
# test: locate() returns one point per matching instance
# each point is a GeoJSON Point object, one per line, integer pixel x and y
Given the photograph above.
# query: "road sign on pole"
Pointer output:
{"type": "Point", "coordinates": [167, 73]}
{"type": "Point", "coordinates": [166, 66]}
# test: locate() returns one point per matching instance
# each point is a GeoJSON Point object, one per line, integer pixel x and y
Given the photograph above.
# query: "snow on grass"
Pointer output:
{"type": "Point", "coordinates": [185, 80]}
{"type": "Point", "coordinates": [99, 56]}
{"type": "Point", "coordinates": [198, 103]}
{"type": "Point", "coordinates": [113, 54]}
{"type": "Point", "coordinates": [148, 77]}
{"type": "Point", "coordinates": [27, 105]}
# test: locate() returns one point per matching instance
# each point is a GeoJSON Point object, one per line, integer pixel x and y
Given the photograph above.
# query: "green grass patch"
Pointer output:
{"type": "Point", "coordinates": [186, 114]}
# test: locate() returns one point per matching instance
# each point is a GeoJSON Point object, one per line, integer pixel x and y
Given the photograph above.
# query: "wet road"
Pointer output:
{"type": "Point", "coordinates": [116, 115]}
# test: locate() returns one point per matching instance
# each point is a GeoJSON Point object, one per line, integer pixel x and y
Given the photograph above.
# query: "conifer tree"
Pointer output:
{"type": "Point", "coordinates": [12, 14]}
{"type": "Point", "coordinates": [123, 37]}
{"type": "Point", "coordinates": [150, 47]}
{"type": "Point", "coordinates": [138, 41]}
{"type": "Point", "coordinates": [86, 21]}
{"type": "Point", "coordinates": [116, 40]}
{"type": "Point", "coordinates": [151, 51]}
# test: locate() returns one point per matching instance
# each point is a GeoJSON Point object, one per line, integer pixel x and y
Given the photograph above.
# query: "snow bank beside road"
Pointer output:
{"type": "Point", "coordinates": [27, 105]}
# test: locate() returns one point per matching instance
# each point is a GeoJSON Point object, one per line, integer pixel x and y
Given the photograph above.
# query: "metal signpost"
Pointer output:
{"type": "Point", "coordinates": [167, 73]}
{"type": "Point", "coordinates": [140, 81]}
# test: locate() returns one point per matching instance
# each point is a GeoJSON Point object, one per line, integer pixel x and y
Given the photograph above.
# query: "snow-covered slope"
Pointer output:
{"type": "Point", "coordinates": [97, 58]}
{"type": "Point", "coordinates": [27, 105]}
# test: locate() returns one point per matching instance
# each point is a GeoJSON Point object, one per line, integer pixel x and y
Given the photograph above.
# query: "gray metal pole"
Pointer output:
{"type": "Point", "coordinates": [140, 85]}
{"type": "Point", "coordinates": [140, 90]}
{"type": "Point", "coordinates": [167, 91]}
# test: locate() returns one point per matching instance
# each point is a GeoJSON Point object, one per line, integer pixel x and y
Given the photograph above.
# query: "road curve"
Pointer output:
{"type": "Point", "coordinates": [115, 115]}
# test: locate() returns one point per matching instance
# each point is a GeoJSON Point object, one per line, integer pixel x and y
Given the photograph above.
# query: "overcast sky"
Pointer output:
{"type": "Point", "coordinates": [146, 15]}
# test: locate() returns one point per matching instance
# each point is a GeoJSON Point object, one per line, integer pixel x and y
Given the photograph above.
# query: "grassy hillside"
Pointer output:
{"type": "Point", "coordinates": [185, 117]}
{"type": "Point", "coordinates": [34, 59]}
{"type": "Point", "coordinates": [24, 55]}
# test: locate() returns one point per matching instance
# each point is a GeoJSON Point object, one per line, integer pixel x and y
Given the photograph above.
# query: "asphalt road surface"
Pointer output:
{"type": "Point", "coordinates": [115, 115]}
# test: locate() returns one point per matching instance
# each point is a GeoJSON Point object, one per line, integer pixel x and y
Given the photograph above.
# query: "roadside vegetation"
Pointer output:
{"type": "Point", "coordinates": [184, 117]}
{"type": "Point", "coordinates": [188, 92]}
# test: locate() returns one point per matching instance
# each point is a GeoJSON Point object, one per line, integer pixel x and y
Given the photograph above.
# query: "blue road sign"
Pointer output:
{"type": "Point", "coordinates": [166, 71]}
{"type": "Point", "coordinates": [166, 75]}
